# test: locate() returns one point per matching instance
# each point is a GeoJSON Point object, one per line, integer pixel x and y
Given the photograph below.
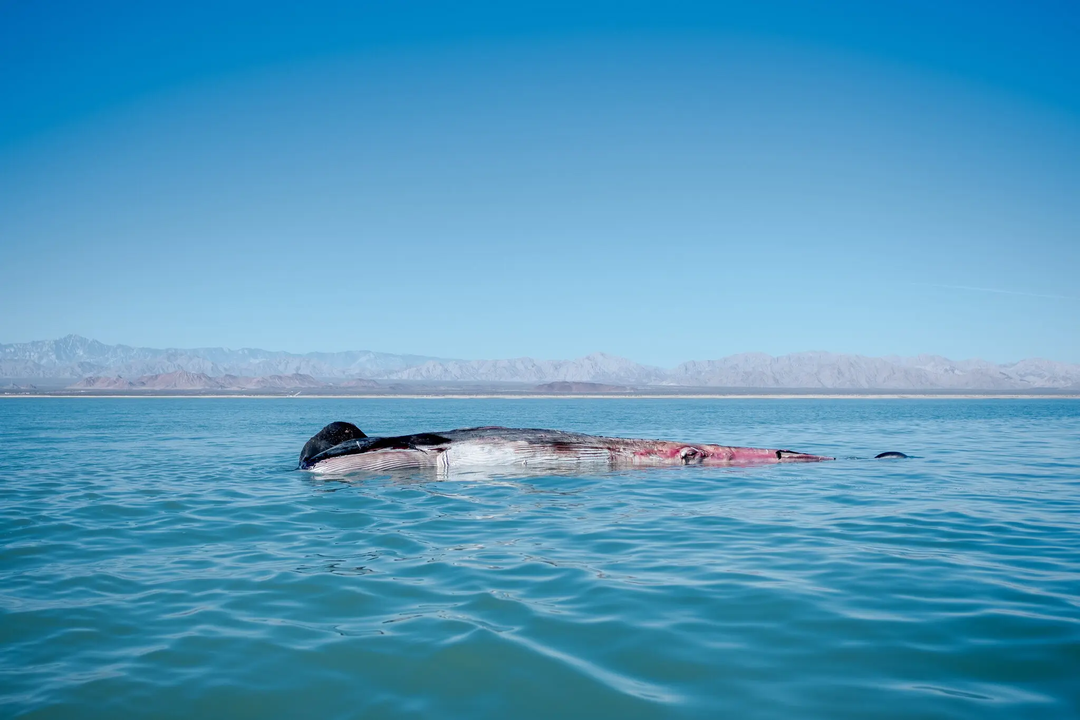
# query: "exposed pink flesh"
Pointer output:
{"type": "Point", "coordinates": [718, 454]}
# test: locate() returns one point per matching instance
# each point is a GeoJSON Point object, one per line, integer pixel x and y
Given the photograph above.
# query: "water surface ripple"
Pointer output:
{"type": "Point", "coordinates": [161, 557]}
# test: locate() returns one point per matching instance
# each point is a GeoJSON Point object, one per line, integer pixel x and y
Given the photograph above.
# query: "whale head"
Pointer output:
{"type": "Point", "coordinates": [333, 434]}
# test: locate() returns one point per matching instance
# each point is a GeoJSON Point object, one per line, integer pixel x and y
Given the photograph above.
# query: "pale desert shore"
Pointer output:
{"type": "Point", "coordinates": [565, 396]}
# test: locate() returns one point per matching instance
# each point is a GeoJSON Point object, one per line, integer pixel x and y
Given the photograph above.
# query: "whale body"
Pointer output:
{"type": "Point", "coordinates": [342, 447]}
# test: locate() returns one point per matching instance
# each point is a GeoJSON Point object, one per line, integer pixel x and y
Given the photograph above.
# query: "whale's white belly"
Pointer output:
{"type": "Point", "coordinates": [484, 453]}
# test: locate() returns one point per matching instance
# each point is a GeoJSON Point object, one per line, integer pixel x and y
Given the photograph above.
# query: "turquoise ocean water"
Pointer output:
{"type": "Point", "coordinates": [162, 558]}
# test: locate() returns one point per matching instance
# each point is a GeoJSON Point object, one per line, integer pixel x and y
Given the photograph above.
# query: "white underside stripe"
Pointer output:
{"type": "Point", "coordinates": [474, 454]}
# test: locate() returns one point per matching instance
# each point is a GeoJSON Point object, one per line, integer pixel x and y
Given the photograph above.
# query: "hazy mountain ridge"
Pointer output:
{"type": "Point", "coordinates": [73, 356]}
{"type": "Point", "coordinates": [598, 367]}
{"type": "Point", "coordinates": [100, 366]}
{"type": "Point", "coordinates": [184, 380]}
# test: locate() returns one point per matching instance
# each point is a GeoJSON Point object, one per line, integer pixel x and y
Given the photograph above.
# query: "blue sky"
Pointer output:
{"type": "Point", "coordinates": [661, 181]}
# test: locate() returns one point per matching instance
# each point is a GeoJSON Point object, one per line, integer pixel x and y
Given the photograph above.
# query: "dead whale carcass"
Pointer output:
{"type": "Point", "coordinates": [342, 447]}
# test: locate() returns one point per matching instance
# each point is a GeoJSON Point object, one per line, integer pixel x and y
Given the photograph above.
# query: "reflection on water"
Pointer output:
{"type": "Point", "coordinates": [517, 476]}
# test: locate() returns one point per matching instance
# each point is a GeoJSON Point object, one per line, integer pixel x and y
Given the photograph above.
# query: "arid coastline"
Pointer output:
{"type": "Point", "coordinates": [561, 396]}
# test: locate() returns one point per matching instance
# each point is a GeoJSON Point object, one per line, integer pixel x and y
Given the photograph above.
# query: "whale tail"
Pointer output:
{"type": "Point", "coordinates": [333, 434]}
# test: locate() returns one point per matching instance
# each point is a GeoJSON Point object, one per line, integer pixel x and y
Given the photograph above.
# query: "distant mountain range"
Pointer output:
{"type": "Point", "coordinates": [184, 380]}
{"type": "Point", "coordinates": [95, 365]}
{"type": "Point", "coordinates": [77, 357]}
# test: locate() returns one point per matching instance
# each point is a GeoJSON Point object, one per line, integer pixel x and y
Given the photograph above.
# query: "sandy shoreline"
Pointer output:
{"type": "Point", "coordinates": [527, 396]}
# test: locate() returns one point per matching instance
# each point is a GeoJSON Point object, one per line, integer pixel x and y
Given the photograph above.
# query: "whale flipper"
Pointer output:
{"type": "Point", "coordinates": [333, 434]}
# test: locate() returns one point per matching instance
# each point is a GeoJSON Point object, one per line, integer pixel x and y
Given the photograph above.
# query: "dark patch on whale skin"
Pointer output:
{"type": "Point", "coordinates": [405, 442]}
{"type": "Point", "coordinates": [782, 454]}
{"type": "Point", "coordinates": [333, 434]}
{"type": "Point", "coordinates": [890, 455]}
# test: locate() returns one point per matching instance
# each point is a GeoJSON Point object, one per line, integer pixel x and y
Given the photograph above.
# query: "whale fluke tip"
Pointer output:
{"type": "Point", "coordinates": [887, 455]}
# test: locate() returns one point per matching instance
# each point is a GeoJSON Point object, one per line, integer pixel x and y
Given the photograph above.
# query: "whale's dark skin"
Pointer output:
{"type": "Point", "coordinates": [343, 447]}
{"type": "Point", "coordinates": [333, 434]}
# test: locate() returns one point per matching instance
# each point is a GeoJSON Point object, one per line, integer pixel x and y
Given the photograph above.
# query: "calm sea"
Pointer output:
{"type": "Point", "coordinates": [162, 558]}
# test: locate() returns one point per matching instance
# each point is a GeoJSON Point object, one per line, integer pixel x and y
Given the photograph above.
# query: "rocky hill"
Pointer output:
{"type": "Point", "coordinates": [563, 386]}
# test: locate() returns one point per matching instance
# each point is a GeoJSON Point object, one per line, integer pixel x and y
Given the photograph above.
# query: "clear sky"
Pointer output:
{"type": "Point", "coordinates": [664, 181]}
